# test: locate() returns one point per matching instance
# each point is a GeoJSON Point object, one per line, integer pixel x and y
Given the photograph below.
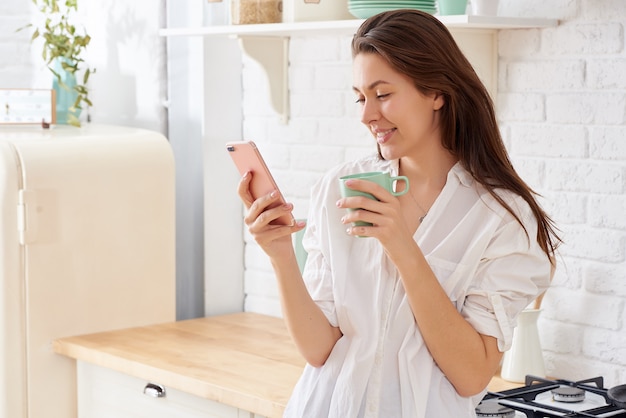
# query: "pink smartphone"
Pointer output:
{"type": "Point", "coordinates": [247, 157]}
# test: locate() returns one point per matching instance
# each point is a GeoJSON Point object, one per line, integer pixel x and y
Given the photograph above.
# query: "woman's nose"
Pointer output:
{"type": "Point", "coordinates": [369, 112]}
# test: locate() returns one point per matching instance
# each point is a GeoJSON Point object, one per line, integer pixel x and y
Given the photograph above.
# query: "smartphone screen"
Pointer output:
{"type": "Point", "coordinates": [247, 157]}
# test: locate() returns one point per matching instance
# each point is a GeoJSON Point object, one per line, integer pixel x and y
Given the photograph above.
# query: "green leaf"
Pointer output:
{"type": "Point", "coordinates": [63, 40]}
{"type": "Point", "coordinates": [24, 27]}
{"type": "Point", "coordinates": [35, 35]}
{"type": "Point", "coordinates": [73, 120]}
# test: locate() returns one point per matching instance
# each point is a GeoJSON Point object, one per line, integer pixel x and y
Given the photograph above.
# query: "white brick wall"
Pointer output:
{"type": "Point", "coordinates": [571, 80]}
{"type": "Point", "coordinates": [562, 109]}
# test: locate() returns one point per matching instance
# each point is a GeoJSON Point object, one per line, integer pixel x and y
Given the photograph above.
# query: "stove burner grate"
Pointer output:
{"type": "Point", "coordinates": [543, 398]}
{"type": "Point", "coordinates": [568, 394]}
{"type": "Point", "coordinates": [494, 409]}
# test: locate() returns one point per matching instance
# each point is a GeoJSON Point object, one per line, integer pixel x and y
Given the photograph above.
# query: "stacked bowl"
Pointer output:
{"type": "Point", "coordinates": [363, 9]}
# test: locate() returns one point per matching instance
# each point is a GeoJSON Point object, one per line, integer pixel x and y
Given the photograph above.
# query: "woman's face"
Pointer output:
{"type": "Point", "coordinates": [403, 121]}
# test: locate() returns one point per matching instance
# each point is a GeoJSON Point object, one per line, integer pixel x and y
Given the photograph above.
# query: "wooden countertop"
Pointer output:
{"type": "Point", "coordinates": [245, 360]}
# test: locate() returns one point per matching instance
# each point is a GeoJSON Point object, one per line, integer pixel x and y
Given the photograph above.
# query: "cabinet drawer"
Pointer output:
{"type": "Point", "coordinates": [105, 393]}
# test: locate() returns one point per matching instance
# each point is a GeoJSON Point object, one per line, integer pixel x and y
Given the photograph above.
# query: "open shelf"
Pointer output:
{"type": "Point", "coordinates": [349, 26]}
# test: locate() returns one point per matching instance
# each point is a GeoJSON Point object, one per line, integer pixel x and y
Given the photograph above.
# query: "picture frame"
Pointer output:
{"type": "Point", "coordinates": [27, 107]}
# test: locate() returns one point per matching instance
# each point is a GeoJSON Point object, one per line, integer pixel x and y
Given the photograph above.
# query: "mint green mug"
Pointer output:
{"type": "Point", "coordinates": [383, 179]}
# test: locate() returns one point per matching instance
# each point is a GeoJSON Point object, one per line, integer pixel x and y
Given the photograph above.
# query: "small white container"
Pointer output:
{"type": "Point", "coordinates": [484, 7]}
{"type": "Point", "coordinates": [217, 12]}
{"type": "Point", "coordinates": [315, 10]}
{"type": "Point", "coordinates": [525, 355]}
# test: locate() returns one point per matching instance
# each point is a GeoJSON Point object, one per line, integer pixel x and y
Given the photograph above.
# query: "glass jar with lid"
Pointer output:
{"type": "Point", "coordinates": [256, 11]}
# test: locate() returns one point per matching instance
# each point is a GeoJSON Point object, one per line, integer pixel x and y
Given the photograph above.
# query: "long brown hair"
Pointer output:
{"type": "Point", "coordinates": [419, 46]}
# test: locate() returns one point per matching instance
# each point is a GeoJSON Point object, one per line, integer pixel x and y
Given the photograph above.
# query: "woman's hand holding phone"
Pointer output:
{"type": "Point", "coordinates": [269, 218]}
{"type": "Point", "coordinates": [274, 238]}
{"type": "Point", "coordinates": [248, 159]}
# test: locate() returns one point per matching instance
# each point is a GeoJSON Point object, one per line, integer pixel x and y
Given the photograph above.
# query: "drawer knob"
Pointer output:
{"type": "Point", "coordinates": [154, 390]}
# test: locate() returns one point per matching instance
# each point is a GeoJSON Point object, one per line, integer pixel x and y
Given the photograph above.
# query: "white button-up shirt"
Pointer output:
{"type": "Point", "coordinates": [381, 366]}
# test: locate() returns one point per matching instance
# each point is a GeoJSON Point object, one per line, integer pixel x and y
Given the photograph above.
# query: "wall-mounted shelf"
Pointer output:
{"type": "Point", "coordinates": [338, 27]}
{"type": "Point", "coordinates": [268, 44]}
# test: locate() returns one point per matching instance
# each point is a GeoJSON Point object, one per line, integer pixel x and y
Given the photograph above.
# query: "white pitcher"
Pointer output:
{"type": "Point", "coordinates": [525, 355]}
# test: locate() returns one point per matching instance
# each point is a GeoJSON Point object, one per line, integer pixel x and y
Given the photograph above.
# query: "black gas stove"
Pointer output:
{"type": "Point", "coordinates": [544, 398]}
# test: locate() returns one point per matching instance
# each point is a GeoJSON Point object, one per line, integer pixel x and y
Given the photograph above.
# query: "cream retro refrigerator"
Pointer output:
{"type": "Point", "coordinates": [87, 245]}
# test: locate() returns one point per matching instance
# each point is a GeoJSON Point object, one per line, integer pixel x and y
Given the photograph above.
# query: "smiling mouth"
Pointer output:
{"type": "Point", "coordinates": [383, 136]}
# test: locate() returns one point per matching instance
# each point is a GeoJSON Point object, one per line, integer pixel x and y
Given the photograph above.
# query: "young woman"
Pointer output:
{"type": "Point", "coordinates": [411, 318]}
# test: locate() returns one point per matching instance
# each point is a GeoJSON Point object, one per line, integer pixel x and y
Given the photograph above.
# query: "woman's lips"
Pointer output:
{"type": "Point", "coordinates": [383, 136]}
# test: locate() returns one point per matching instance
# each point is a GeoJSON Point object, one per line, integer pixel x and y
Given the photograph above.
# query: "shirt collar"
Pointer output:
{"type": "Point", "coordinates": [458, 170]}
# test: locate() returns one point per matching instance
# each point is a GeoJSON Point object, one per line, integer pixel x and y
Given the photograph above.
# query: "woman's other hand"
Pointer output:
{"type": "Point", "coordinates": [386, 215]}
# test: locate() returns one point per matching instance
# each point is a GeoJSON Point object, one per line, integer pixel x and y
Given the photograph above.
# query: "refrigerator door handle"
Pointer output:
{"type": "Point", "coordinates": [27, 216]}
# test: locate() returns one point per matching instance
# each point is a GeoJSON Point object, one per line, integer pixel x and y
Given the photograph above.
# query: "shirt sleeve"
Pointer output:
{"type": "Point", "coordinates": [512, 273]}
{"type": "Point", "coordinates": [317, 272]}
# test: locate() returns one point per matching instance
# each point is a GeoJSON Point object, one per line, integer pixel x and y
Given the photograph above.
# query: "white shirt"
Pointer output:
{"type": "Point", "coordinates": [381, 367]}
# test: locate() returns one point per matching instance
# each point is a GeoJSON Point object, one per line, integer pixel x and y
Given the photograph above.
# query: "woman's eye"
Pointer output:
{"type": "Point", "coordinates": [379, 96]}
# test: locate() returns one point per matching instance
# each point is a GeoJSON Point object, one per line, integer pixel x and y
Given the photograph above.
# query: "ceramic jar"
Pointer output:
{"type": "Point", "coordinates": [484, 7]}
{"type": "Point", "coordinates": [525, 355]}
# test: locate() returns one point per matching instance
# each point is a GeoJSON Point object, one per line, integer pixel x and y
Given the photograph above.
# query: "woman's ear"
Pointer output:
{"type": "Point", "coordinates": [438, 101]}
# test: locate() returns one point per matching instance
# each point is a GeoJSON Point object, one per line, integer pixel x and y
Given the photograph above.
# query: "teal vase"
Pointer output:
{"type": "Point", "coordinates": [65, 94]}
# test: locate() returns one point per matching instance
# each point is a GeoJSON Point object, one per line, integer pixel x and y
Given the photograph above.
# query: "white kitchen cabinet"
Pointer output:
{"type": "Point", "coordinates": [105, 393]}
{"type": "Point", "coordinates": [230, 366]}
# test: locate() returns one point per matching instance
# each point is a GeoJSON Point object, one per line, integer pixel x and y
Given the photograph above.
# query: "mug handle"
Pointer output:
{"type": "Point", "coordinates": [406, 182]}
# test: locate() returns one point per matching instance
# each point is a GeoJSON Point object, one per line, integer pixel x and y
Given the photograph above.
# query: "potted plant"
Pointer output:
{"type": "Point", "coordinates": [63, 46]}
